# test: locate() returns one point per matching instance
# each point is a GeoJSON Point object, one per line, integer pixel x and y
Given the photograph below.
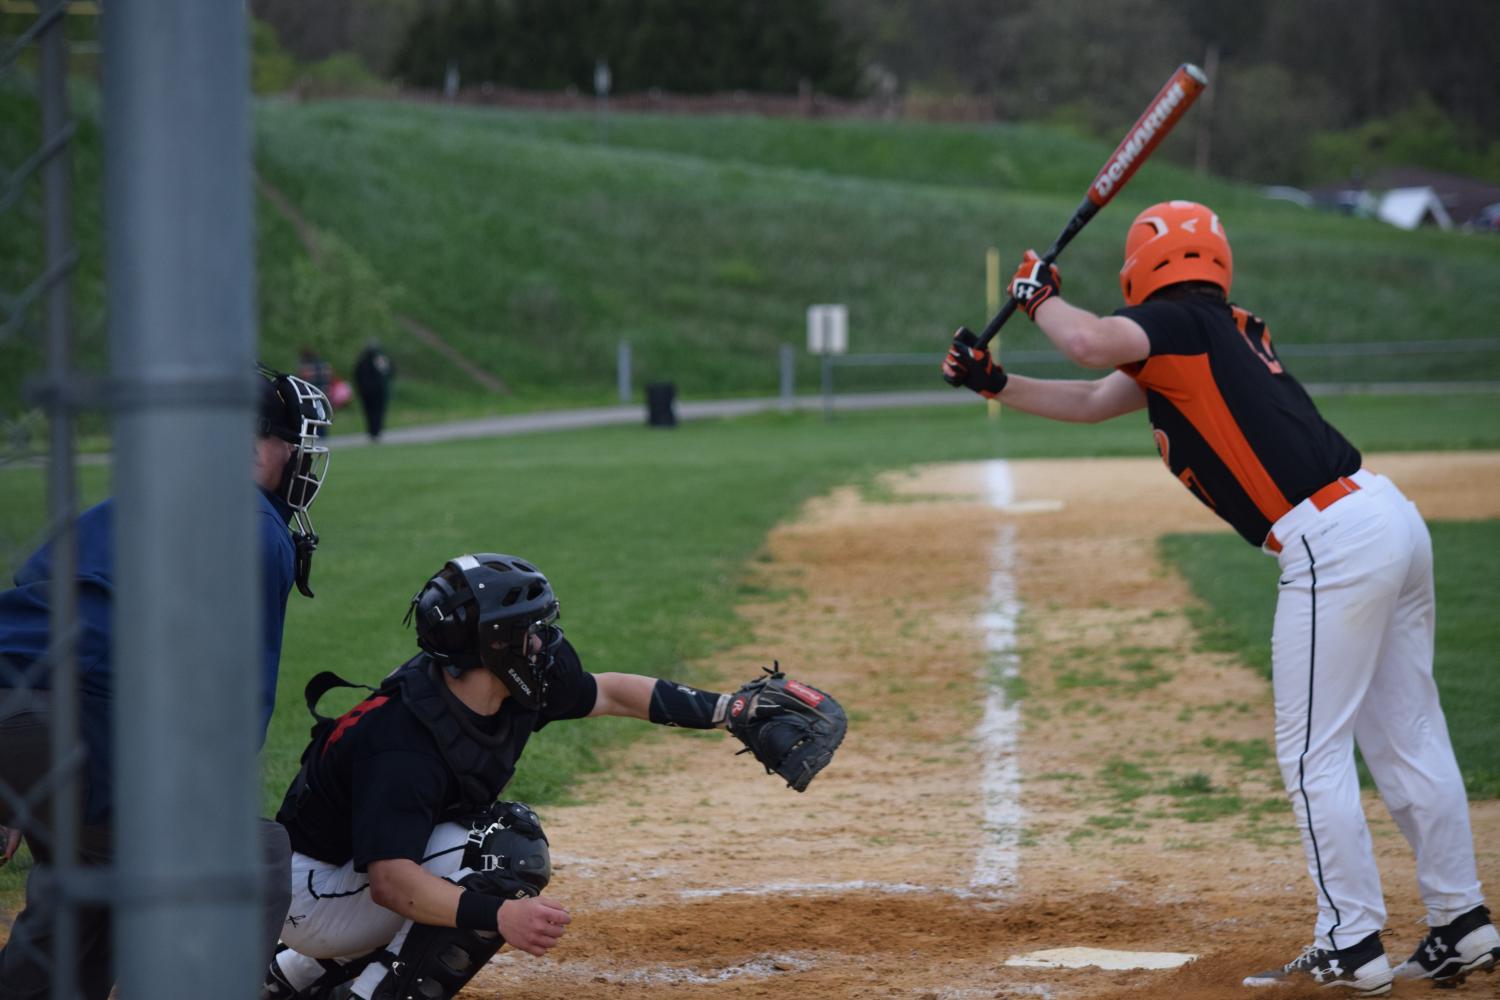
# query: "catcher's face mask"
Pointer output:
{"type": "Point", "coordinates": [523, 655]}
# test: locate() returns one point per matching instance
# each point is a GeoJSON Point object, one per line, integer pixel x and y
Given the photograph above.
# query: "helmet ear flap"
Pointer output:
{"type": "Point", "coordinates": [441, 614]}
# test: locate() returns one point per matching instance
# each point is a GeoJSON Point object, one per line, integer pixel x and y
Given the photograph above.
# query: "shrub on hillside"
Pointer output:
{"type": "Point", "coordinates": [272, 69]}
{"type": "Point", "coordinates": [342, 74]}
{"type": "Point", "coordinates": [333, 304]}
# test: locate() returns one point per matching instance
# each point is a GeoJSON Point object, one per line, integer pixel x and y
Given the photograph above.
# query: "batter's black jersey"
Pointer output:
{"type": "Point", "coordinates": [378, 783]}
{"type": "Point", "coordinates": [1229, 421]}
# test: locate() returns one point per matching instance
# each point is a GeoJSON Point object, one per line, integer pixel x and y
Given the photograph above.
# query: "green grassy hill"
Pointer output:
{"type": "Point", "coordinates": [535, 242]}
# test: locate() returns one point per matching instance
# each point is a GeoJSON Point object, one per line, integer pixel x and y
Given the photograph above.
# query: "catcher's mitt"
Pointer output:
{"type": "Point", "coordinates": [792, 728]}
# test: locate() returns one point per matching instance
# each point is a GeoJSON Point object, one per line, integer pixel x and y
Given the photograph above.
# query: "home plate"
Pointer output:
{"type": "Point", "coordinates": [1083, 958]}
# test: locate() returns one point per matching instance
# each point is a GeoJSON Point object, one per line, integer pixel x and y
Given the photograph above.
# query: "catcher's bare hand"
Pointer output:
{"type": "Point", "coordinates": [792, 728]}
{"type": "Point", "coordinates": [12, 838]}
{"type": "Point", "coordinates": [533, 925]}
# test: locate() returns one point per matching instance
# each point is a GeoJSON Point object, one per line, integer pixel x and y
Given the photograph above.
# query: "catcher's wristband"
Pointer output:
{"type": "Point", "coordinates": [674, 704]}
{"type": "Point", "coordinates": [477, 912]}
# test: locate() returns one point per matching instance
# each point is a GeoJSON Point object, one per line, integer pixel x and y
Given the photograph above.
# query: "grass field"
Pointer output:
{"type": "Point", "coordinates": [646, 536]}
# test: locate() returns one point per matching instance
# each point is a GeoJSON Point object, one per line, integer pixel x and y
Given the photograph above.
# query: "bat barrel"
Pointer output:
{"type": "Point", "coordinates": [1161, 115]}
{"type": "Point", "coordinates": [1164, 111]}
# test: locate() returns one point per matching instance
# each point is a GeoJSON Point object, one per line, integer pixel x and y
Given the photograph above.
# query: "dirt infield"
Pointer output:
{"type": "Point", "coordinates": [1118, 793]}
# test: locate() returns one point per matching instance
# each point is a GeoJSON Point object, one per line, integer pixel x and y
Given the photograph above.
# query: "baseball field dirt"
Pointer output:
{"type": "Point", "coordinates": [1116, 791]}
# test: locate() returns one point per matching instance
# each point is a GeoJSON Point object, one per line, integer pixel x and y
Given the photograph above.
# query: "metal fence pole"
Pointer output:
{"type": "Point", "coordinates": [787, 358]}
{"type": "Point", "coordinates": [622, 370]}
{"type": "Point", "coordinates": [827, 385]}
{"type": "Point", "coordinates": [62, 500]}
{"type": "Point", "coordinates": [180, 275]}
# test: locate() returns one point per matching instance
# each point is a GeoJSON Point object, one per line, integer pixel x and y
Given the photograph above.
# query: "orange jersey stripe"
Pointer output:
{"type": "Point", "coordinates": [1187, 381]}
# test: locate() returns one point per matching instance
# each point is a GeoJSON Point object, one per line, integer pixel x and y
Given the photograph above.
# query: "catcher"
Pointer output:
{"type": "Point", "coordinates": [407, 875]}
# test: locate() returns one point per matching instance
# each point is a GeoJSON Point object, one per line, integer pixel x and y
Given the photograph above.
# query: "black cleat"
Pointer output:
{"type": "Point", "coordinates": [1451, 953]}
{"type": "Point", "coordinates": [1361, 968]}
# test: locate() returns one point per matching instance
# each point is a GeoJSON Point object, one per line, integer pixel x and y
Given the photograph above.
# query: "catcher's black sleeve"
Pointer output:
{"type": "Point", "coordinates": [572, 690]}
{"type": "Point", "coordinates": [674, 704]}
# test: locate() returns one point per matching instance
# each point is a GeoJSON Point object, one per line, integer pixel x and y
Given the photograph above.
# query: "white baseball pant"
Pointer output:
{"type": "Point", "coordinates": [333, 917]}
{"type": "Point", "coordinates": [1351, 659]}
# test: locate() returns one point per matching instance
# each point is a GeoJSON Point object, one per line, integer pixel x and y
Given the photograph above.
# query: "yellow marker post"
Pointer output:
{"type": "Point", "coordinates": [992, 306]}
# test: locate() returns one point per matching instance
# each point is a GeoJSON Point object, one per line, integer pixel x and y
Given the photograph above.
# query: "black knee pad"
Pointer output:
{"type": "Point", "coordinates": [507, 857]}
{"type": "Point", "coordinates": [507, 852]}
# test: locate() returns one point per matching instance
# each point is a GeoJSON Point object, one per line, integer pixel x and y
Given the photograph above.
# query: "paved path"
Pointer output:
{"type": "Point", "coordinates": [606, 416]}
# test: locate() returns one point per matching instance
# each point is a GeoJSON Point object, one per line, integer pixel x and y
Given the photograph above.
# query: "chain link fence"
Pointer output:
{"type": "Point", "coordinates": [160, 892]}
{"type": "Point", "coordinates": [41, 760]}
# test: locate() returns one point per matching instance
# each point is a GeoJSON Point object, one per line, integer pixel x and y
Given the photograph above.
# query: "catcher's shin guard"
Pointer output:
{"type": "Point", "coordinates": [321, 977]}
{"type": "Point", "coordinates": [435, 963]}
{"type": "Point", "coordinates": [506, 857]}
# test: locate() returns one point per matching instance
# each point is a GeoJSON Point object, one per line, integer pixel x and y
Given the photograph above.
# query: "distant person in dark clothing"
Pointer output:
{"type": "Point", "coordinates": [372, 380]}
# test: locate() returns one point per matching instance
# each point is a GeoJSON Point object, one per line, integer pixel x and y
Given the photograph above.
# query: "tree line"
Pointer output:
{"type": "Point", "coordinates": [1303, 90]}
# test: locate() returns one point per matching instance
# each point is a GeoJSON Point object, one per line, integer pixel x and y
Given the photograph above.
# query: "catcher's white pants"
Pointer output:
{"type": "Point", "coordinates": [333, 917]}
{"type": "Point", "coordinates": [1352, 662]}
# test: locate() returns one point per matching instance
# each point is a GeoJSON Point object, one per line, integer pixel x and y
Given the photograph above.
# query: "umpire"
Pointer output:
{"type": "Point", "coordinates": [289, 466]}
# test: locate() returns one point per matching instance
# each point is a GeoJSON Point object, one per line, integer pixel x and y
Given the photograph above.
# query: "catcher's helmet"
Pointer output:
{"type": "Point", "coordinates": [1173, 242]}
{"type": "Point", "coordinates": [494, 611]}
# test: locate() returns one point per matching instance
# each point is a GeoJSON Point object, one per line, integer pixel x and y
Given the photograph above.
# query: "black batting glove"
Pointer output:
{"type": "Point", "coordinates": [1034, 283]}
{"type": "Point", "coordinates": [972, 367]}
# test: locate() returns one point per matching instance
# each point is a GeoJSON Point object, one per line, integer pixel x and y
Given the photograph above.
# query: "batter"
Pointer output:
{"type": "Point", "coordinates": [1352, 642]}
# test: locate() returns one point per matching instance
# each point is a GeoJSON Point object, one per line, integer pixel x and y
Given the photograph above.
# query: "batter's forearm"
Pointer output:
{"type": "Point", "coordinates": [1072, 400]}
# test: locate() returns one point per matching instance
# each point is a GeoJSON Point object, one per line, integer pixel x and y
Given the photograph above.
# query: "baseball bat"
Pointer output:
{"type": "Point", "coordinates": [1164, 111]}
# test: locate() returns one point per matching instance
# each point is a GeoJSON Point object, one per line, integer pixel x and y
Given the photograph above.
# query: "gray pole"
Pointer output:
{"type": "Point", "coordinates": [827, 385]}
{"type": "Point", "coordinates": [622, 370]}
{"type": "Point", "coordinates": [187, 646]}
{"type": "Point", "coordinates": [62, 499]}
{"type": "Point", "coordinates": [788, 367]}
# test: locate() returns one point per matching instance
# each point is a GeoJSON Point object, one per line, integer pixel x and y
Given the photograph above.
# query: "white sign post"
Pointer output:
{"type": "Point", "coordinates": [828, 329]}
{"type": "Point", "coordinates": [827, 335]}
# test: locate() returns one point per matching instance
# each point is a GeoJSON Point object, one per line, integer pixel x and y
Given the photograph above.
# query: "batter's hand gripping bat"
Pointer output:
{"type": "Point", "coordinates": [1164, 111]}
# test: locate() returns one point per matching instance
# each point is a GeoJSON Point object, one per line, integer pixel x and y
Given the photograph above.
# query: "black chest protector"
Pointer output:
{"type": "Point", "coordinates": [469, 753]}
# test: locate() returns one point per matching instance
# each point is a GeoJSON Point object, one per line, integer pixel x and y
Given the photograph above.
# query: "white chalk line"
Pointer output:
{"type": "Point", "coordinates": [756, 967]}
{"type": "Point", "coordinates": [1000, 774]}
{"type": "Point", "coordinates": [1101, 958]}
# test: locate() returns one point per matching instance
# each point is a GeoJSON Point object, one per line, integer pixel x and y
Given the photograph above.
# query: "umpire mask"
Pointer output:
{"type": "Point", "coordinates": [296, 411]}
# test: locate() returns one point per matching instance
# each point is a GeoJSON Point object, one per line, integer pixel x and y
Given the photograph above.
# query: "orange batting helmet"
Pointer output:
{"type": "Point", "coordinates": [1172, 242]}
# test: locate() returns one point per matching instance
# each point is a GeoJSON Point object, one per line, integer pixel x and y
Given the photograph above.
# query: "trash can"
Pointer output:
{"type": "Point", "coordinates": [660, 397]}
